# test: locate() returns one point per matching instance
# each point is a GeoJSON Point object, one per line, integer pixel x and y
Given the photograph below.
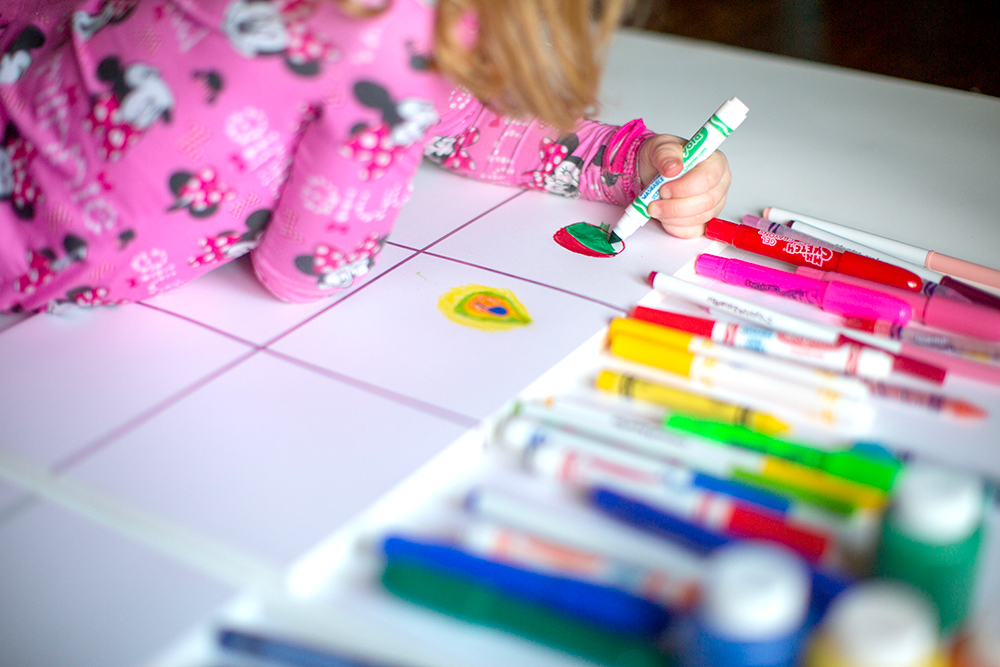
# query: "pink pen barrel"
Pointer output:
{"type": "Point", "coordinates": [969, 319]}
{"type": "Point", "coordinates": [834, 297]}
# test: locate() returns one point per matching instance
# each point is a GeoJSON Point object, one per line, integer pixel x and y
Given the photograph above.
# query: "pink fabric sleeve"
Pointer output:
{"type": "Point", "coordinates": [595, 161]}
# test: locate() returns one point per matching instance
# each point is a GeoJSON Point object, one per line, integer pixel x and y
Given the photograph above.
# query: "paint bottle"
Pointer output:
{"type": "Point", "coordinates": [753, 608]}
{"type": "Point", "coordinates": [979, 645]}
{"type": "Point", "coordinates": [931, 537]}
{"type": "Point", "coordinates": [878, 623]}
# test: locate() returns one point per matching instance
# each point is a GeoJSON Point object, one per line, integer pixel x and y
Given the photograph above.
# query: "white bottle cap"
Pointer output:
{"type": "Point", "coordinates": [937, 505]}
{"type": "Point", "coordinates": [732, 112]}
{"type": "Point", "coordinates": [882, 624]}
{"type": "Point", "coordinates": [755, 591]}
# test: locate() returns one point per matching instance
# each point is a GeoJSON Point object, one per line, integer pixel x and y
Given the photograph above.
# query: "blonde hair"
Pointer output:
{"type": "Point", "coordinates": [531, 58]}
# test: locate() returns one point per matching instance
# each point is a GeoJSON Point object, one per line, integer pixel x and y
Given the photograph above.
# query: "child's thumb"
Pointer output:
{"type": "Point", "coordinates": [669, 159]}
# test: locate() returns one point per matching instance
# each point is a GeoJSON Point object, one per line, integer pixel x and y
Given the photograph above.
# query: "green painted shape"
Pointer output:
{"type": "Point", "coordinates": [596, 238]}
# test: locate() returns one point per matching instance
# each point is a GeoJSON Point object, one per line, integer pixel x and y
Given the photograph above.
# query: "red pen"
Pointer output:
{"type": "Point", "coordinates": [796, 252]}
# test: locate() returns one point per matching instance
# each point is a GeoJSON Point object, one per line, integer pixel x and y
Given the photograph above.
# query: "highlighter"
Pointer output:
{"type": "Point", "coordinates": [833, 297]}
{"type": "Point", "coordinates": [970, 319]}
{"type": "Point", "coordinates": [797, 252]}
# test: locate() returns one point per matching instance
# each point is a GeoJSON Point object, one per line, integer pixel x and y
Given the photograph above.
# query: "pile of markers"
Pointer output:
{"type": "Point", "coordinates": [692, 531]}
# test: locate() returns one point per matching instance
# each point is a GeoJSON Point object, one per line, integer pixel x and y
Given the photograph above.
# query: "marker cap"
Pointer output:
{"type": "Point", "coordinates": [883, 624]}
{"type": "Point", "coordinates": [936, 505]}
{"type": "Point", "coordinates": [854, 301]}
{"type": "Point", "coordinates": [699, 326]}
{"type": "Point", "coordinates": [732, 112]}
{"type": "Point", "coordinates": [721, 230]}
{"type": "Point", "coordinates": [755, 591]}
{"type": "Point", "coordinates": [878, 271]}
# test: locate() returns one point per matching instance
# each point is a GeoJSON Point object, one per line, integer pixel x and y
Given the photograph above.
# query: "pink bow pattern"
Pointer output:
{"type": "Point", "coordinates": [375, 149]}
{"type": "Point", "coordinates": [21, 153]}
{"type": "Point", "coordinates": [113, 134]}
{"type": "Point", "coordinates": [551, 155]}
{"type": "Point", "coordinates": [460, 158]}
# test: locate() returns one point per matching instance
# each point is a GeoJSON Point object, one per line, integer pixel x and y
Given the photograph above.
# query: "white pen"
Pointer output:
{"type": "Point", "coordinates": [704, 143]}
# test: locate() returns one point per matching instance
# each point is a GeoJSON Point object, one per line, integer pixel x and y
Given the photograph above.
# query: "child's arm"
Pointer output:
{"type": "Point", "coordinates": [594, 161]}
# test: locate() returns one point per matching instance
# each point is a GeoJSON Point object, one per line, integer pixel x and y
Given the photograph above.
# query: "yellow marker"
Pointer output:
{"type": "Point", "coordinates": [688, 403]}
{"type": "Point", "coordinates": [768, 365]}
{"type": "Point", "coordinates": [823, 405]}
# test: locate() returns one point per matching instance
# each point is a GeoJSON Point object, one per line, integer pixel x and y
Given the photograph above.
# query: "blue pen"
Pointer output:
{"type": "Point", "coordinates": [282, 651]}
{"type": "Point", "coordinates": [825, 585]}
{"type": "Point", "coordinates": [608, 607]}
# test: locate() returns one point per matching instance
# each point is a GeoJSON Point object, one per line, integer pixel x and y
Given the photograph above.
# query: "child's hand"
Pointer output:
{"type": "Point", "coordinates": [685, 205]}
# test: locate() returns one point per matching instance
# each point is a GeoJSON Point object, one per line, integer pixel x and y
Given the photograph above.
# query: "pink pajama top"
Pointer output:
{"type": "Point", "coordinates": [145, 142]}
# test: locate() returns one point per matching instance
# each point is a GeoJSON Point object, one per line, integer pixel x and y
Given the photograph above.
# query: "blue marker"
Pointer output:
{"type": "Point", "coordinates": [825, 585]}
{"type": "Point", "coordinates": [607, 607]}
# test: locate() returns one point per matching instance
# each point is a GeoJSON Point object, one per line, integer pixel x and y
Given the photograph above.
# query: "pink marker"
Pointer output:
{"type": "Point", "coordinates": [833, 297]}
{"type": "Point", "coordinates": [934, 311]}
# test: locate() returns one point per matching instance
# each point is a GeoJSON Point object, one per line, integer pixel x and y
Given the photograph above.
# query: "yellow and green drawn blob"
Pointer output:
{"type": "Point", "coordinates": [486, 308]}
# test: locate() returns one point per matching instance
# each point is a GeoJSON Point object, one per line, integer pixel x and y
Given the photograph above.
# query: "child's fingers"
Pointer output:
{"type": "Point", "coordinates": [687, 207]}
{"type": "Point", "coordinates": [706, 176]}
{"type": "Point", "coordinates": [690, 226]}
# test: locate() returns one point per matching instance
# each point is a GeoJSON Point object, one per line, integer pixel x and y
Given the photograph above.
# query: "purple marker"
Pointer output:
{"type": "Point", "coordinates": [833, 297]}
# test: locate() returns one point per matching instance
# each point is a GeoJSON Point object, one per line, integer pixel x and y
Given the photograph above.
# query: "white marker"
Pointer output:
{"type": "Point", "coordinates": [717, 301]}
{"type": "Point", "coordinates": [704, 143]}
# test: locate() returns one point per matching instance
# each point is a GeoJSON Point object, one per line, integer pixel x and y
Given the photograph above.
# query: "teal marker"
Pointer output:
{"type": "Point", "coordinates": [856, 466]}
{"type": "Point", "coordinates": [702, 144]}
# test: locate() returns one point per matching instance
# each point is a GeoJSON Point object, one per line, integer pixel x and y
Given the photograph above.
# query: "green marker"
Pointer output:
{"type": "Point", "coordinates": [855, 466]}
{"type": "Point", "coordinates": [464, 599]}
{"type": "Point", "coordinates": [702, 144]}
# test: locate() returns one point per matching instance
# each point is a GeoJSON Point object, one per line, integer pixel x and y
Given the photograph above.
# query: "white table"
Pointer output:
{"type": "Point", "coordinates": [214, 436]}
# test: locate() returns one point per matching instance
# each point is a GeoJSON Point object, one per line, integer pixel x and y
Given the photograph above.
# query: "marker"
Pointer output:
{"type": "Point", "coordinates": [845, 463]}
{"type": "Point", "coordinates": [681, 340]}
{"type": "Point", "coordinates": [711, 135]}
{"type": "Point", "coordinates": [688, 403]}
{"type": "Point", "coordinates": [284, 651]}
{"type": "Point", "coordinates": [896, 339]}
{"type": "Point", "coordinates": [585, 465]}
{"type": "Point", "coordinates": [557, 447]}
{"type": "Point", "coordinates": [931, 259]}
{"type": "Point", "coordinates": [826, 585]}
{"type": "Point", "coordinates": [745, 310]}
{"type": "Point", "coordinates": [827, 407]}
{"type": "Point", "coordinates": [804, 254]}
{"type": "Point", "coordinates": [606, 607]}
{"type": "Point", "coordinates": [833, 297]}
{"type": "Point", "coordinates": [934, 283]}
{"type": "Point", "coordinates": [533, 551]}
{"type": "Point", "coordinates": [846, 358]}
{"type": "Point", "coordinates": [578, 527]}
{"type": "Point", "coordinates": [709, 298]}
{"type": "Point", "coordinates": [969, 319]}
{"type": "Point", "coordinates": [471, 601]}
{"type": "Point", "coordinates": [955, 407]}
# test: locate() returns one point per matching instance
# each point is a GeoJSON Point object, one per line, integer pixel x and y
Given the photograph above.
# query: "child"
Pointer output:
{"type": "Point", "coordinates": [147, 141]}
